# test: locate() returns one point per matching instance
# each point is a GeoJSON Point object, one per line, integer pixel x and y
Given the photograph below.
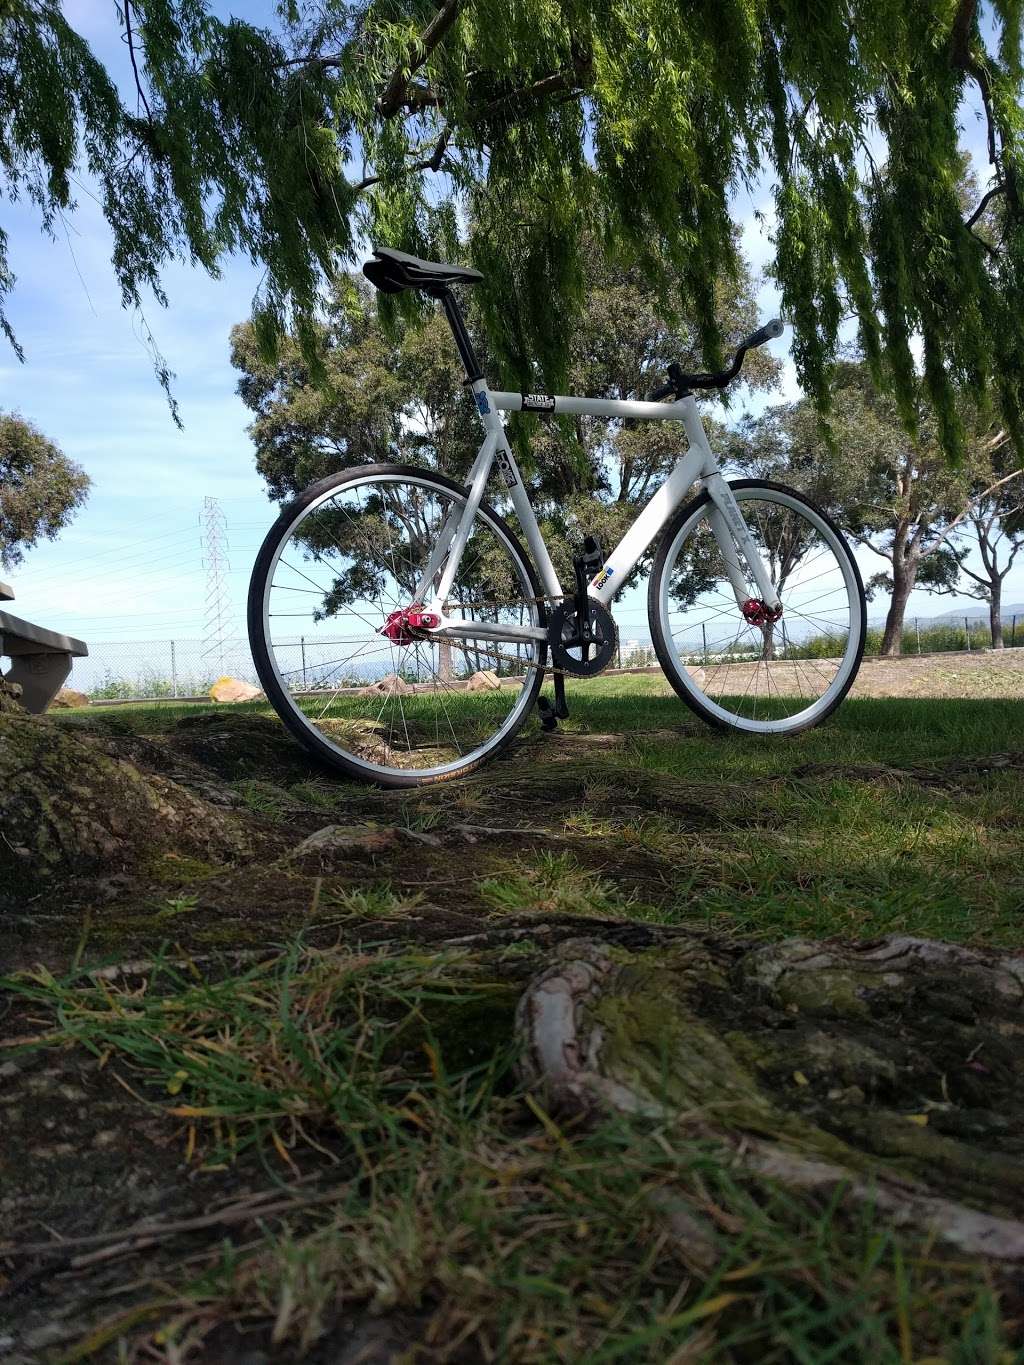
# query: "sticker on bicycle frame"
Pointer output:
{"type": "Point", "coordinates": [482, 404]}
{"type": "Point", "coordinates": [538, 402]}
{"type": "Point", "coordinates": [505, 465]}
{"type": "Point", "coordinates": [603, 577]}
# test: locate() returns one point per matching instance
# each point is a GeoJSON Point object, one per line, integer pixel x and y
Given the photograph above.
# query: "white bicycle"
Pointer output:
{"type": "Point", "coordinates": [424, 647]}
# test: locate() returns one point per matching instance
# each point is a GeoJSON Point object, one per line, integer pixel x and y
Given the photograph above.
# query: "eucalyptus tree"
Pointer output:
{"type": "Point", "coordinates": [549, 127]}
{"type": "Point", "coordinates": [40, 488]}
{"type": "Point", "coordinates": [991, 530]}
{"type": "Point", "coordinates": [893, 492]}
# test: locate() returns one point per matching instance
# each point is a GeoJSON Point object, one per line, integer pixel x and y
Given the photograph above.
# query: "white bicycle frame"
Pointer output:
{"type": "Point", "coordinates": [697, 464]}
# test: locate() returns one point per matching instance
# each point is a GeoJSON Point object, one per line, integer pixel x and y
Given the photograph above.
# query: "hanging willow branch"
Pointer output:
{"type": "Point", "coordinates": [546, 127]}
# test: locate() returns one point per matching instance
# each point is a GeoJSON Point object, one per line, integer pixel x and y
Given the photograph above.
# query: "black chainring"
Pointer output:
{"type": "Point", "coordinates": [562, 638]}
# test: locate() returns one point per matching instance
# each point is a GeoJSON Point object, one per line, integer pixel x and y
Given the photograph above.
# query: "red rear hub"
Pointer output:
{"type": "Point", "coordinates": [401, 625]}
{"type": "Point", "coordinates": [759, 613]}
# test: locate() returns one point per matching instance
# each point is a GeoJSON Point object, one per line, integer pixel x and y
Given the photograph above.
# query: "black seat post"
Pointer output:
{"type": "Point", "coordinates": [462, 339]}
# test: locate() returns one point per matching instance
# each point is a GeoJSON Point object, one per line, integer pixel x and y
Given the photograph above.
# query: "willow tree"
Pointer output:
{"type": "Point", "coordinates": [547, 125]}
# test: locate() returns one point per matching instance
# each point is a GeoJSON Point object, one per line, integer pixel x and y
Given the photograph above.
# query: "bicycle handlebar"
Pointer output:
{"type": "Point", "coordinates": [680, 383]}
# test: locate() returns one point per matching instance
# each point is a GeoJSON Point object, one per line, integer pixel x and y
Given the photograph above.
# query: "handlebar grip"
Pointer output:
{"type": "Point", "coordinates": [768, 332]}
{"type": "Point", "coordinates": [663, 391]}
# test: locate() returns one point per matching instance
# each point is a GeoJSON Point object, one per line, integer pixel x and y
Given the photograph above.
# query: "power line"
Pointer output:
{"type": "Point", "coordinates": [115, 554]}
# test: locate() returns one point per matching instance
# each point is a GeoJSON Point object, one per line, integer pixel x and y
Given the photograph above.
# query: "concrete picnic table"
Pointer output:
{"type": "Point", "coordinates": [40, 658]}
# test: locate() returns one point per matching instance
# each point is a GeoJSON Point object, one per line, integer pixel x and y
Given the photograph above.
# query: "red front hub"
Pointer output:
{"type": "Point", "coordinates": [401, 625]}
{"type": "Point", "coordinates": [759, 613]}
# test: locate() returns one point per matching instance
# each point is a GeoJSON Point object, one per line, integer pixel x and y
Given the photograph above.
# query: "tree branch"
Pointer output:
{"type": "Point", "coordinates": [870, 545]}
{"type": "Point", "coordinates": [569, 82]}
{"type": "Point", "coordinates": [430, 163]}
{"type": "Point", "coordinates": [964, 59]}
{"type": "Point", "coordinates": [980, 497]}
{"type": "Point", "coordinates": [393, 95]}
{"type": "Point", "coordinates": [985, 201]}
{"type": "Point", "coordinates": [131, 53]}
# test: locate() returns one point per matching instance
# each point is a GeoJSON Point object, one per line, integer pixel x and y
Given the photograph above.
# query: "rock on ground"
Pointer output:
{"type": "Point", "coordinates": [485, 680]}
{"type": "Point", "coordinates": [390, 685]}
{"type": "Point", "coordinates": [234, 689]}
{"type": "Point", "coordinates": [332, 847]}
{"type": "Point", "coordinates": [67, 698]}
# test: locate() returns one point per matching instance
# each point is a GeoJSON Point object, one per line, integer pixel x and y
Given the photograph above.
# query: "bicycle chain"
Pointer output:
{"type": "Point", "coordinates": [512, 658]}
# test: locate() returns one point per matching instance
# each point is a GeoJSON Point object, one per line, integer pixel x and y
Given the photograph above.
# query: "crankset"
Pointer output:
{"type": "Point", "coordinates": [582, 634]}
{"type": "Point", "coordinates": [585, 648]}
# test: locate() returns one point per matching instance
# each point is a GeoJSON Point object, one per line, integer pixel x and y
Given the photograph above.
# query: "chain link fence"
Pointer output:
{"type": "Point", "coordinates": [119, 670]}
{"type": "Point", "coordinates": [122, 670]}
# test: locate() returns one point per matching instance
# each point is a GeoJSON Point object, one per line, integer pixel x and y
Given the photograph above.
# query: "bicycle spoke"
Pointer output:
{"type": "Point", "coordinates": [389, 698]}
{"type": "Point", "coordinates": [763, 673]}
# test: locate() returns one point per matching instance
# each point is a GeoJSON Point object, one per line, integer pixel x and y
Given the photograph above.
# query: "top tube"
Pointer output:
{"type": "Point", "coordinates": [590, 407]}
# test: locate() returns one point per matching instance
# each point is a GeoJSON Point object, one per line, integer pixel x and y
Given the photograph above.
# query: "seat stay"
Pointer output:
{"type": "Point", "coordinates": [446, 555]}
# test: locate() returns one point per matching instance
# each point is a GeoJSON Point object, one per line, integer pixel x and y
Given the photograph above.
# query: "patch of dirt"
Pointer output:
{"type": "Point", "coordinates": [981, 673]}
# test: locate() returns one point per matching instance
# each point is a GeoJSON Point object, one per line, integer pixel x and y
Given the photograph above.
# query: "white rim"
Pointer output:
{"type": "Point", "coordinates": [848, 663]}
{"type": "Point", "coordinates": [376, 770]}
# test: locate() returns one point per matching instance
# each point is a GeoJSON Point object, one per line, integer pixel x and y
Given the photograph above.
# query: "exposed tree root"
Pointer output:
{"type": "Point", "coordinates": [824, 1067]}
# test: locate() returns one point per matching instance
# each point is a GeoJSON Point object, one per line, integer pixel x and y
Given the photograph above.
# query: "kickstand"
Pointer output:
{"type": "Point", "coordinates": [551, 715]}
{"type": "Point", "coordinates": [561, 709]}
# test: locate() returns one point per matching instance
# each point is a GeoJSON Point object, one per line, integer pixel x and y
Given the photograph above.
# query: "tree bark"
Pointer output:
{"type": "Point", "coordinates": [892, 637]}
{"type": "Point", "coordinates": [887, 1074]}
{"type": "Point", "coordinates": [444, 660]}
{"type": "Point", "coordinates": [905, 559]}
{"type": "Point", "coordinates": [69, 808]}
{"type": "Point", "coordinates": [995, 612]}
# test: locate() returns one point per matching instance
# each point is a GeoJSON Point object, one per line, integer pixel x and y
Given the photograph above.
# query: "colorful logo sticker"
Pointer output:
{"type": "Point", "coordinates": [603, 577]}
{"type": "Point", "coordinates": [482, 404]}
{"type": "Point", "coordinates": [505, 465]}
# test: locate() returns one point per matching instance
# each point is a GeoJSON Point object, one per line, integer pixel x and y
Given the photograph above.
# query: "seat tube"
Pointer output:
{"type": "Point", "coordinates": [477, 483]}
{"type": "Point", "coordinates": [500, 451]}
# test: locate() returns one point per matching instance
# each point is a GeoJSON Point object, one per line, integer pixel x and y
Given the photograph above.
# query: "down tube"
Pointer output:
{"type": "Point", "coordinates": [623, 559]}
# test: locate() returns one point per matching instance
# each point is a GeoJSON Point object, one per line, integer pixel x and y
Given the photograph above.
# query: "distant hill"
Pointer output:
{"type": "Point", "coordinates": [973, 613]}
{"type": "Point", "coordinates": [977, 612]}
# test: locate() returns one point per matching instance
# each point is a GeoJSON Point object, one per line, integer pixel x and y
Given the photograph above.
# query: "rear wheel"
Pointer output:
{"type": "Point", "coordinates": [406, 707]}
{"type": "Point", "coordinates": [739, 665]}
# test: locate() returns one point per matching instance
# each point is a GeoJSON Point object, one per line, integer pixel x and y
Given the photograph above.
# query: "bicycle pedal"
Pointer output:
{"type": "Point", "coordinates": [548, 719]}
{"type": "Point", "coordinates": [592, 557]}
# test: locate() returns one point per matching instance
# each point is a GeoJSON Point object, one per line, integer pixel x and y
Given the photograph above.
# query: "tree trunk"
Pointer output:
{"type": "Point", "coordinates": [995, 612]}
{"type": "Point", "coordinates": [444, 660]}
{"type": "Point", "coordinates": [904, 575]}
{"type": "Point", "coordinates": [887, 1074]}
{"type": "Point", "coordinates": [69, 808]}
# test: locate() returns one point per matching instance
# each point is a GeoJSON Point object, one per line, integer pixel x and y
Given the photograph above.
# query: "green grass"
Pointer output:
{"type": "Point", "coordinates": [810, 838]}
{"type": "Point", "coordinates": [459, 1201]}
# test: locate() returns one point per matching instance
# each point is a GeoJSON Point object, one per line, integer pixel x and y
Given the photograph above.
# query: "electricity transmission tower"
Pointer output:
{"type": "Point", "coordinates": [217, 633]}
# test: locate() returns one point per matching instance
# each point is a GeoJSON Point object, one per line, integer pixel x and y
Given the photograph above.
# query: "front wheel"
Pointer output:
{"type": "Point", "coordinates": [736, 664]}
{"type": "Point", "coordinates": [382, 702]}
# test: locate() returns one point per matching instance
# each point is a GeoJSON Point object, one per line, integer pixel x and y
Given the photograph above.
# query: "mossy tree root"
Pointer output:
{"type": "Point", "coordinates": [852, 1069]}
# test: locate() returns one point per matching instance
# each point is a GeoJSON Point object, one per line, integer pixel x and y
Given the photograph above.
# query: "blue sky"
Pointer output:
{"type": "Point", "coordinates": [130, 566]}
